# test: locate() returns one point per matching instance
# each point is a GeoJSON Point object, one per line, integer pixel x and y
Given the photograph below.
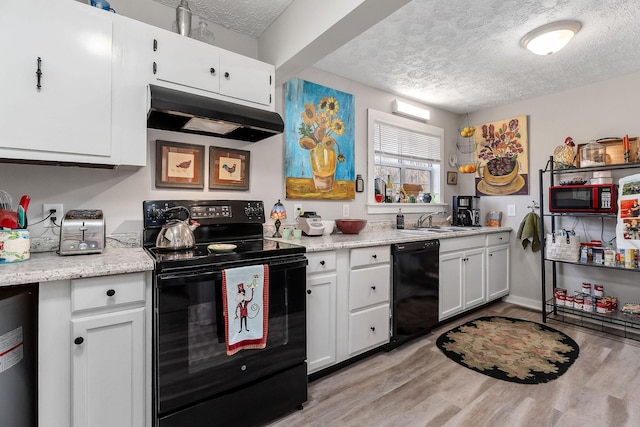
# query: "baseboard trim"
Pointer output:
{"type": "Point", "coordinates": [524, 302]}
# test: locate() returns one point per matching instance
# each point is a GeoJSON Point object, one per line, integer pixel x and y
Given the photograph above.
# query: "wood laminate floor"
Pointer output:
{"type": "Point", "coordinates": [416, 385]}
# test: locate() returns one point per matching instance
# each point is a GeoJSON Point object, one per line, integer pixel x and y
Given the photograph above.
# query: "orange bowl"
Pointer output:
{"type": "Point", "coordinates": [351, 226]}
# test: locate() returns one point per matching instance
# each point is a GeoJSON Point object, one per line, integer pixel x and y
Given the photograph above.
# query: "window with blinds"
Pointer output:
{"type": "Point", "coordinates": [406, 154]}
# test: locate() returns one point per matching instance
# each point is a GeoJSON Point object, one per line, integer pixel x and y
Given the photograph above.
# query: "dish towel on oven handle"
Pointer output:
{"type": "Point", "coordinates": [245, 299]}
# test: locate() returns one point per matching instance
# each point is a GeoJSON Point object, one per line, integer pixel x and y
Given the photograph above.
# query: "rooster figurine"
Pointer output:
{"type": "Point", "coordinates": [230, 169]}
{"type": "Point", "coordinates": [563, 155]}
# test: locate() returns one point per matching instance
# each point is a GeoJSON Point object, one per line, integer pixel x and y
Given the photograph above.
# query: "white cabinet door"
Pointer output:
{"type": "Point", "coordinates": [473, 264]}
{"type": "Point", "coordinates": [246, 78]}
{"type": "Point", "coordinates": [108, 369]}
{"type": "Point", "coordinates": [186, 62]}
{"type": "Point", "coordinates": [497, 271]}
{"type": "Point", "coordinates": [451, 279]}
{"type": "Point", "coordinates": [71, 111]}
{"type": "Point", "coordinates": [321, 321]}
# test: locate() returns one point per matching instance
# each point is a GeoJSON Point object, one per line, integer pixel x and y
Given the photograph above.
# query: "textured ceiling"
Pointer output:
{"type": "Point", "coordinates": [464, 55]}
{"type": "Point", "coordinates": [248, 17]}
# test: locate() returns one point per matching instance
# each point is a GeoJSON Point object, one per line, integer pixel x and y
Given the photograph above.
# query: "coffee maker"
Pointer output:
{"type": "Point", "coordinates": [465, 211]}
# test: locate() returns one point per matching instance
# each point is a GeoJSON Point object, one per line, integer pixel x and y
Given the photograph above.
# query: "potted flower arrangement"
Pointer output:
{"type": "Point", "coordinates": [319, 126]}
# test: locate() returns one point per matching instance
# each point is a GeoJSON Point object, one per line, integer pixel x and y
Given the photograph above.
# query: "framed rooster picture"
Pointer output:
{"type": "Point", "coordinates": [228, 169]}
{"type": "Point", "coordinates": [179, 165]}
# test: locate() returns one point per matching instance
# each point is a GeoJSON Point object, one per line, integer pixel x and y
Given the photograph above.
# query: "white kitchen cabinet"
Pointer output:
{"type": "Point", "coordinates": [368, 298]}
{"type": "Point", "coordinates": [498, 265]}
{"type": "Point", "coordinates": [187, 64]}
{"type": "Point", "coordinates": [91, 104]}
{"type": "Point", "coordinates": [462, 275]}
{"type": "Point", "coordinates": [71, 46]}
{"type": "Point", "coordinates": [321, 310]}
{"type": "Point", "coordinates": [95, 353]}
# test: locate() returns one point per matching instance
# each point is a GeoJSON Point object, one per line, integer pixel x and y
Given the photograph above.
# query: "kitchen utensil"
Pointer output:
{"type": "Point", "coordinates": [8, 219]}
{"type": "Point", "coordinates": [351, 226]}
{"type": "Point", "coordinates": [176, 235]}
{"type": "Point", "coordinates": [24, 202]}
{"type": "Point", "coordinates": [6, 202]}
{"type": "Point", "coordinates": [21, 217]}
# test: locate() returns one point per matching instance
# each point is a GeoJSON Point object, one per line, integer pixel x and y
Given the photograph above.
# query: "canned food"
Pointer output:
{"type": "Point", "coordinates": [629, 258]}
{"type": "Point", "coordinates": [601, 307]}
{"type": "Point", "coordinates": [586, 288]}
{"type": "Point", "coordinates": [598, 290]}
{"type": "Point", "coordinates": [578, 302]}
{"type": "Point", "coordinates": [588, 305]}
{"type": "Point", "coordinates": [598, 255]}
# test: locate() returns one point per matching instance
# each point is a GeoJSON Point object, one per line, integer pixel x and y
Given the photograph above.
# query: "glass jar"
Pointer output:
{"type": "Point", "coordinates": [202, 33]}
{"type": "Point", "coordinates": [593, 154]}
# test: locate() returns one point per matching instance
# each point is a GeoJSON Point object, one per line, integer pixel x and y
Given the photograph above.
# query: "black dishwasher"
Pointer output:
{"type": "Point", "coordinates": [414, 305]}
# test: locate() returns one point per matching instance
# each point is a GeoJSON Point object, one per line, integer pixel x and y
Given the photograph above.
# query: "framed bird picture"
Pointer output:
{"type": "Point", "coordinates": [179, 165]}
{"type": "Point", "coordinates": [228, 169]}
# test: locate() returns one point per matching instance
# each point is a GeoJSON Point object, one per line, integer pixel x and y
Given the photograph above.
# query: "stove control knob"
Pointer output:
{"type": "Point", "coordinates": [248, 211]}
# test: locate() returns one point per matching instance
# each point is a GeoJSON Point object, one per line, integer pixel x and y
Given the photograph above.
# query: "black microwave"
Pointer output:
{"type": "Point", "coordinates": [589, 198]}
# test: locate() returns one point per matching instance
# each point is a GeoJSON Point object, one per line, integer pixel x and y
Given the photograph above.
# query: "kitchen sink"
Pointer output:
{"type": "Point", "coordinates": [439, 229]}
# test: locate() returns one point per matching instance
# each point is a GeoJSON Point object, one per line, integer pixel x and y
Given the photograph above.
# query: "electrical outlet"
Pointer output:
{"type": "Point", "coordinates": [345, 210]}
{"type": "Point", "coordinates": [46, 211]}
{"type": "Point", "coordinates": [297, 210]}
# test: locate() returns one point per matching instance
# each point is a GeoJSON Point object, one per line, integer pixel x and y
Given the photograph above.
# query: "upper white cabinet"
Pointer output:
{"type": "Point", "coordinates": [56, 78]}
{"type": "Point", "coordinates": [183, 63]}
{"type": "Point", "coordinates": [65, 96]}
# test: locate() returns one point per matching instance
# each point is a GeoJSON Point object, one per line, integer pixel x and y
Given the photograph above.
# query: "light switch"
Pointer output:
{"type": "Point", "coordinates": [511, 210]}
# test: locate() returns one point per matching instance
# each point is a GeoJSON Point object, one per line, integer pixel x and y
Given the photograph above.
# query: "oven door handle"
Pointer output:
{"type": "Point", "coordinates": [199, 273]}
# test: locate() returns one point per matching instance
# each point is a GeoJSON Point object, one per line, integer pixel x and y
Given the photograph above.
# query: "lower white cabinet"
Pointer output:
{"type": "Point", "coordinates": [108, 382]}
{"type": "Point", "coordinates": [321, 310]}
{"type": "Point", "coordinates": [94, 365]}
{"type": "Point", "coordinates": [462, 275]}
{"type": "Point", "coordinates": [498, 266]}
{"type": "Point", "coordinates": [369, 295]}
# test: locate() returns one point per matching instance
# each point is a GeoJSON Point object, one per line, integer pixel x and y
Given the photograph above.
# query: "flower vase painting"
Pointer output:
{"type": "Point", "coordinates": [501, 151]}
{"type": "Point", "coordinates": [319, 142]}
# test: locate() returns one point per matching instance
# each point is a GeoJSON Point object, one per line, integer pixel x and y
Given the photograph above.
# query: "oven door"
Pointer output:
{"type": "Point", "coordinates": [190, 360]}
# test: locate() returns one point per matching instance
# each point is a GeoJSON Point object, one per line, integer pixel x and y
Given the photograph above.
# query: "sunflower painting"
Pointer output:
{"type": "Point", "coordinates": [319, 142]}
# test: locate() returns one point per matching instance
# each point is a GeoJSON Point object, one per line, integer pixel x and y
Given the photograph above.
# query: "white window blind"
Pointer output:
{"type": "Point", "coordinates": [395, 141]}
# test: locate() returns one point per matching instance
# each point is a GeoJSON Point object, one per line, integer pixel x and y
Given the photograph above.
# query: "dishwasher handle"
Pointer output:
{"type": "Point", "coordinates": [425, 245]}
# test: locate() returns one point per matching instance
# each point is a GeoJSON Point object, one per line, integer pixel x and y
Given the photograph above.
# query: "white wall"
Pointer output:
{"type": "Point", "coordinates": [600, 110]}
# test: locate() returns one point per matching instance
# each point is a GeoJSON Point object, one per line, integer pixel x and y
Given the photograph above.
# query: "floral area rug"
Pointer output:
{"type": "Point", "coordinates": [510, 349]}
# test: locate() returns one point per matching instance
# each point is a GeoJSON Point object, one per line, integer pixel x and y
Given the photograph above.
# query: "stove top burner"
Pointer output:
{"type": "Point", "coordinates": [222, 222]}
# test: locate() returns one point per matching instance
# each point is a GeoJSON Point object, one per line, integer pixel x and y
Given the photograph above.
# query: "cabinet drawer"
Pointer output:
{"type": "Point", "coordinates": [498, 238]}
{"type": "Point", "coordinates": [107, 291]}
{"type": "Point", "coordinates": [368, 328]}
{"type": "Point", "coordinates": [369, 286]}
{"type": "Point", "coordinates": [368, 256]}
{"type": "Point", "coordinates": [321, 261]}
{"type": "Point", "coordinates": [462, 243]}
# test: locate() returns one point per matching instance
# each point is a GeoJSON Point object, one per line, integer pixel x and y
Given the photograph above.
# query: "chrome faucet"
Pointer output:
{"type": "Point", "coordinates": [424, 217]}
{"type": "Point", "coordinates": [427, 217]}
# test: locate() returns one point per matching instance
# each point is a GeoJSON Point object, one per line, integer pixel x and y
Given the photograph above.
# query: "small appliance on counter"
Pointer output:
{"type": "Point", "coordinates": [466, 212]}
{"type": "Point", "coordinates": [311, 224]}
{"type": "Point", "coordinates": [82, 232]}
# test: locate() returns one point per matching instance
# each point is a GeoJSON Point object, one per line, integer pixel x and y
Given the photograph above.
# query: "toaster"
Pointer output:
{"type": "Point", "coordinates": [82, 232]}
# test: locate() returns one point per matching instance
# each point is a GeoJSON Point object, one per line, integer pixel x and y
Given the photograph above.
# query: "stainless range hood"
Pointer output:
{"type": "Point", "coordinates": [178, 111]}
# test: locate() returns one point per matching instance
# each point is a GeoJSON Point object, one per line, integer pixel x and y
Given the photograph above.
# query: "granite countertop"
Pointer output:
{"type": "Point", "coordinates": [127, 256]}
{"type": "Point", "coordinates": [375, 237]}
{"type": "Point", "coordinates": [122, 254]}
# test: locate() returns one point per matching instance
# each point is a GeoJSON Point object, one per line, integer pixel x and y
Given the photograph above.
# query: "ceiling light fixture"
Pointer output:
{"type": "Point", "coordinates": [402, 108]}
{"type": "Point", "coordinates": [551, 37]}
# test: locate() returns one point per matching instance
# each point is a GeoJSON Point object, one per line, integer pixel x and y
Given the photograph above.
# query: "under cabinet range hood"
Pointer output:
{"type": "Point", "coordinates": [178, 111]}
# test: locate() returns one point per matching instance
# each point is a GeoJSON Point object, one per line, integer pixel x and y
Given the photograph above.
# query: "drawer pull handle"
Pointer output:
{"type": "Point", "coordinates": [373, 287]}
{"type": "Point", "coordinates": [227, 75]}
{"type": "Point", "coordinates": [212, 71]}
{"type": "Point", "coordinates": [499, 238]}
{"type": "Point", "coordinates": [78, 341]}
{"type": "Point", "coordinates": [321, 262]}
{"type": "Point", "coordinates": [374, 256]}
{"type": "Point", "coordinates": [373, 328]}
{"type": "Point", "coordinates": [111, 292]}
{"type": "Point", "coordinates": [309, 291]}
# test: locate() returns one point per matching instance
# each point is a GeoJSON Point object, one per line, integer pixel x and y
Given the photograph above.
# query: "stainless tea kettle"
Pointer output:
{"type": "Point", "coordinates": [177, 234]}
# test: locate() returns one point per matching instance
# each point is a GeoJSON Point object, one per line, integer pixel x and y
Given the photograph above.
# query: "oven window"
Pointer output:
{"type": "Point", "coordinates": [191, 359]}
